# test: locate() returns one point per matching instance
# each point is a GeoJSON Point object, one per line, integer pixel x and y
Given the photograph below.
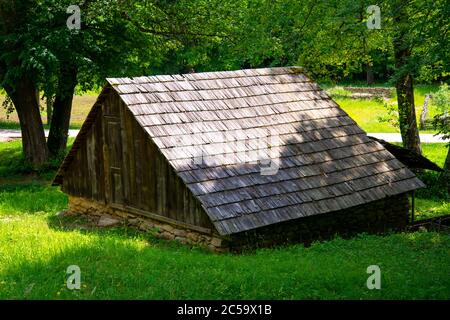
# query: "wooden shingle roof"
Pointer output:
{"type": "Point", "coordinates": [325, 161]}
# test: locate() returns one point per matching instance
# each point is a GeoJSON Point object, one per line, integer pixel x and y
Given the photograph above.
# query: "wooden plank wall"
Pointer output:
{"type": "Point", "coordinates": [120, 165]}
{"type": "Point", "coordinates": [85, 175]}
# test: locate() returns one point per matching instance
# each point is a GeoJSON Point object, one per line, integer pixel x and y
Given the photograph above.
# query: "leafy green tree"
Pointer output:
{"type": "Point", "coordinates": [116, 38]}
{"type": "Point", "coordinates": [329, 38]}
{"type": "Point", "coordinates": [441, 99]}
{"type": "Point", "coordinates": [19, 73]}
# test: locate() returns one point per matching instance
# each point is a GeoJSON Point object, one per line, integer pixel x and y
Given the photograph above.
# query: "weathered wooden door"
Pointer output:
{"type": "Point", "coordinates": [112, 150]}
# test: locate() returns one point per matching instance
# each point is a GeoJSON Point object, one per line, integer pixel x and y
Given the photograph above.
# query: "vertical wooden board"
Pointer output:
{"type": "Point", "coordinates": [130, 175]}
{"type": "Point", "coordinates": [99, 165]}
{"type": "Point", "coordinates": [170, 193]}
{"type": "Point", "coordinates": [65, 183]}
{"type": "Point", "coordinates": [200, 217]}
{"type": "Point", "coordinates": [180, 197]}
{"type": "Point", "coordinates": [114, 139]}
{"type": "Point", "coordinates": [125, 155]}
{"type": "Point", "coordinates": [91, 161]}
{"type": "Point", "coordinates": [87, 186]}
{"type": "Point", "coordinates": [107, 173]}
{"type": "Point", "coordinates": [114, 159]}
{"type": "Point", "coordinates": [72, 184]}
{"type": "Point", "coordinates": [161, 186]}
{"type": "Point", "coordinates": [65, 187]}
{"type": "Point", "coordinates": [186, 212]}
{"type": "Point", "coordinates": [79, 176]}
{"type": "Point", "coordinates": [76, 185]}
{"type": "Point", "coordinates": [146, 162]}
{"type": "Point", "coordinates": [174, 195]}
{"type": "Point", "coordinates": [105, 153]}
{"type": "Point", "coordinates": [138, 163]}
{"type": "Point", "coordinates": [192, 209]}
{"type": "Point", "coordinates": [153, 173]}
{"type": "Point", "coordinates": [116, 186]}
{"type": "Point", "coordinates": [111, 104]}
{"type": "Point", "coordinates": [197, 216]}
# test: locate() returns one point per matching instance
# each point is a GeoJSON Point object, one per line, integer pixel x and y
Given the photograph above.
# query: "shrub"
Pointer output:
{"type": "Point", "coordinates": [441, 99]}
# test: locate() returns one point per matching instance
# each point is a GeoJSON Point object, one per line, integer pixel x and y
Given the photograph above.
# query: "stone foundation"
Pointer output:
{"type": "Point", "coordinates": [159, 229]}
{"type": "Point", "coordinates": [389, 214]}
{"type": "Point", "coordinates": [376, 217]}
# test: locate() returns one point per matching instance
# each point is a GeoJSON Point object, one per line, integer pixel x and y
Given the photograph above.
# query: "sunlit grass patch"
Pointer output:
{"type": "Point", "coordinates": [436, 152]}
{"type": "Point", "coordinates": [430, 208]}
{"type": "Point", "coordinates": [366, 113]}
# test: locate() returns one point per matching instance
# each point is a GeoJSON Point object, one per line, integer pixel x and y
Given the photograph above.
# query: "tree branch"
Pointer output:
{"type": "Point", "coordinates": [143, 29]}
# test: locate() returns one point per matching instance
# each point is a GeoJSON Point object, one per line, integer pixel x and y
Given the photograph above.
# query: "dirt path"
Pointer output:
{"type": "Point", "coordinates": [12, 134]}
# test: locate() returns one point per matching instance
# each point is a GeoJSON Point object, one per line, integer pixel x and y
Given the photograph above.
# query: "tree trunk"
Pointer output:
{"type": "Point", "coordinates": [423, 115]}
{"type": "Point", "coordinates": [405, 97]}
{"type": "Point", "coordinates": [62, 107]}
{"type": "Point", "coordinates": [407, 114]}
{"type": "Point", "coordinates": [48, 103]}
{"type": "Point", "coordinates": [38, 99]}
{"type": "Point", "coordinates": [404, 79]}
{"type": "Point", "coordinates": [369, 74]}
{"type": "Point", "coordinates": [27, 106]}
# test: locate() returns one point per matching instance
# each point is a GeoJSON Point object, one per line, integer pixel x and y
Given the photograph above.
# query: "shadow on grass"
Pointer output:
{"type": "Point", "coordinates": [14, 167]}
{"type": "Point", "coordinates": [30, 198]}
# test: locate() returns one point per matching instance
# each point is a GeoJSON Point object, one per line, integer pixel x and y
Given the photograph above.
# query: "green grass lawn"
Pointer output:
{"type": "Point", "coordinates": [366, 112]}
{"type": "Point", "coordinates": [36, 248]}
{"type": "Point", "coordinates": [429, 208]}
{"type": "Point", "coordinates": [436, 152]}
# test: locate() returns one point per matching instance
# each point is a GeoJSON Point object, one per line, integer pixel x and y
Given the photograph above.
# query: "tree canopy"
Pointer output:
{"type": "Point", "coordinates": [329, 38]}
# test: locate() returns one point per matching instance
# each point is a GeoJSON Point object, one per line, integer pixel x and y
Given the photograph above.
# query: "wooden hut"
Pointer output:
{"type": "Point", "coordinates": [183, 155]}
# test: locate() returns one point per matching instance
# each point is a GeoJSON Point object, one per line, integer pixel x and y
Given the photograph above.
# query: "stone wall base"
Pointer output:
{"type": "Point", "coordinates": [105, 215]}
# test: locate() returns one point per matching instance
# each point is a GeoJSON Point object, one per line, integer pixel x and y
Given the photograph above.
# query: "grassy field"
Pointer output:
{"type": "Point", "coordinates": [436, 152]}
{"type": "Point", "coordinates": [81, 106]}
{"type": "Point", "coordinates": [36, 248]}
{"type": "Point", "coordinates": [367, 113]}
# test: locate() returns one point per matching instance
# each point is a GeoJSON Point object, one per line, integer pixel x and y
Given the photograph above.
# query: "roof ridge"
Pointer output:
{"type": "Point", "coordinates": [192, 76]}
